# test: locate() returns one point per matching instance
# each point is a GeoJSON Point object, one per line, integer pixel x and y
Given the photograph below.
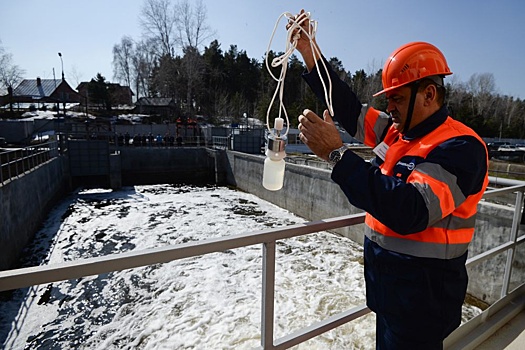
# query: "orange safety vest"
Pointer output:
{"type": "Point", "coordinates": [451, 215]}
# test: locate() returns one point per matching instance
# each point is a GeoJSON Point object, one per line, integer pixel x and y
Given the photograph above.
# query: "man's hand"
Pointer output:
{"type": "Point", "coordinates": [321, 136]}
{"type": "Point", "coordinates": [303, 43]}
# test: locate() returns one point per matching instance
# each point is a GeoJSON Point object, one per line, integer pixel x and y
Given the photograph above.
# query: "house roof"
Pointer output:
{"type": "Point", "coordinates": [37, 88]}
{"type": "Point", "coordinates": [155, 101]}
{"type": "Point", "coordinates": [117, 86]}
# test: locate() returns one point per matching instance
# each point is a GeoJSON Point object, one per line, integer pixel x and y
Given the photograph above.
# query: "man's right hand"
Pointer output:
{"type": "Point", "coordinates": [320, 135]}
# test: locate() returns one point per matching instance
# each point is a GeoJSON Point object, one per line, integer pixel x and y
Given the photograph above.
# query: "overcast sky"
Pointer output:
{"type": "Point", "coordinates": [475, 36]}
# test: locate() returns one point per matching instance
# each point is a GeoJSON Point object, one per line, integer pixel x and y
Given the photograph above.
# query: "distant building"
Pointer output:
{"type": "Point", "coordinates": [163, 106]}
{"type": "Point", "coordinates": [119, 95]}
{"type": "Point", "coordinates": [42, 91]}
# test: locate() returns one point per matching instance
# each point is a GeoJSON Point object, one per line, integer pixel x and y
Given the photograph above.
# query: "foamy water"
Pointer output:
{"type": "Point", "coordinates": [207, 302]}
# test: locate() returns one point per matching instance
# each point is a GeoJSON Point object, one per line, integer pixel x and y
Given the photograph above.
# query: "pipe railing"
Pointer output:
{"type": "Point", "coordinates": [29, 276]}
{"type": "Point", "coordinates": [220, 142]}
{"type": "Point", "coordinates": [16, 162]}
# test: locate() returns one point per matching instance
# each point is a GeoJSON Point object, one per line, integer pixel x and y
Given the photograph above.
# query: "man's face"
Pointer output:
{"type": "Point", "coordinates": [398, 101]}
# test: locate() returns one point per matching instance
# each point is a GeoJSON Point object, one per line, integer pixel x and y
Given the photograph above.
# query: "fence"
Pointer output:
{"type": "Point", "coordinates": [16, 162]}
{"type": "Point", "coordinates": [220, 142]}
{"type": "Point", "coordinates": [26, 277]}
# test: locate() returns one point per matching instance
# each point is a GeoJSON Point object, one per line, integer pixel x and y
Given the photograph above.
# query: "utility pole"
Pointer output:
{"type": "Point", "coordinates": [63, 80]}
{"type": "Point", "coordinates": [60, 55]}
{"type": "Point", "coordinates": [55, 81]}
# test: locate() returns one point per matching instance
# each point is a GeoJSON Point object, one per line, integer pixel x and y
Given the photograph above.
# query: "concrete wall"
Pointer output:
{"type": "Point", "coordinates": [142, 165]}
{"type": "Point", "coordinates": [15, 131]}
{"type": "Point", "coordinates": [21, 132]}
{"type": "Point", "coordinates": [493, 228]}
{"type": "Point", "coordinates": [509, 170]}
{"type": "Point", "coordinates": [25, 201]}
{"type": "Point", "coordinates": [24, 204]}
{"type": "Point", "coordinates": [308, 192]}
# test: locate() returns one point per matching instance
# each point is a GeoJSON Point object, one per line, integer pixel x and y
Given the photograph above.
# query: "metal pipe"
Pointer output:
{"type": "Point", "coordinates": [268, 295]}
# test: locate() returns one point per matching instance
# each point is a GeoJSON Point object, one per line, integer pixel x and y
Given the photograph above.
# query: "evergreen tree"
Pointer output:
{"type": "Point", "coordinates": [99, 92]}
{"type": "Point", "coordinates": [224, 85]}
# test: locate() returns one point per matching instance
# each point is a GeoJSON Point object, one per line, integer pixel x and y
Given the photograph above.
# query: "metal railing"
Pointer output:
{"type": "Point", "coordinates": [25, 277]}
{"type": "Point", "coordinates": [511, 302]}
{"type": "Point", "coordinates": [16, 162]}
{"type": "Point", "coordinates": [220, 142]}
{"type": "Point", "coordinates": [151, 142]}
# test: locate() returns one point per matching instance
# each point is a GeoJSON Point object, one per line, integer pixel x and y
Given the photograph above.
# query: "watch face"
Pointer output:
{"type": "Point", "coordinates": [334, 156]}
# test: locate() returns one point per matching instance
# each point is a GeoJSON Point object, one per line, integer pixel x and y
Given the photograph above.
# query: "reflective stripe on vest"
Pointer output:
{"type": "Point", "coordinates": [431, 178]}
{"type": "Point", "coordinates": [370, 126]}
{"type": "Point", "coordinates": [417, 248]}
{"type": "Point", "coordinates": [451, 215]}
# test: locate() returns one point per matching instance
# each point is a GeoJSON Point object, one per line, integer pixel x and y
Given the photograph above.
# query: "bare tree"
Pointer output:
{"type": "Point", "coordinates": [122, 60]}
{"type": "Point", "coordinates": [10, 74]}
{"type": "Point", "coordinates": [192, 32]}
{"type": "Point", "coordinates": [191, 24]}
{"type": "Point", "coordinates": [76, 76]}
{"type": "Point", "coordinates": [373, 84]}
{"type": "Point", "coordinates": [158, 20]}
{"type": "Point", "coordinates": [457, 91]}
{"type": "Point", "coordinates": [511, 109]}
{"type": "Point", "coordinates": [182, 26]}
{"type": "Point", "coordinates": [482, 87]}
{"type": "Point", "coordinates": [143, 62]}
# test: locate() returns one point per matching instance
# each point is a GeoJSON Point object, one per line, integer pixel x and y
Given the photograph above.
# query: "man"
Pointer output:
{"type": "Point", "coordinates": [420, 192]}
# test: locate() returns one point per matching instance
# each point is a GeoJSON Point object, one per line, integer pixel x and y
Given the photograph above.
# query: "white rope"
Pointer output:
{"type": "Point", "coordinates": [291, 45]}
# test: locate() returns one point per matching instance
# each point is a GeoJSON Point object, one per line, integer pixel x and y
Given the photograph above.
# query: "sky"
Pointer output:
{"type": "Point", "coordinates": [476, 37]}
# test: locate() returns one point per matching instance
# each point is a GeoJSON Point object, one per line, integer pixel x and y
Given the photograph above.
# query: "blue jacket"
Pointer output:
{"type": "Point", "coordinates": [421, 297]}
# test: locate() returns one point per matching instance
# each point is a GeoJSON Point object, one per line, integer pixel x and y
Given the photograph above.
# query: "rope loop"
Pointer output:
{"type": "Point", "coordinates": [295, 30]}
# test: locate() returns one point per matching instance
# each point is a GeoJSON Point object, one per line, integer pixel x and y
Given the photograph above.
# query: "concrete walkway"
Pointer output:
{"type": "Point", "coordinates": [511, 336]}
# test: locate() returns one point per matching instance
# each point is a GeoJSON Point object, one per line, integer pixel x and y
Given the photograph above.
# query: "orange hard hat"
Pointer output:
{"type": "Point", "coordinates": [411, 62]}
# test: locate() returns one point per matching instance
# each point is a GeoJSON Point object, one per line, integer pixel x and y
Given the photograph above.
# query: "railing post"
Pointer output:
{"type": "Point", "coordinates": [513, 238]}
{"type": "Point", "coordinates": [9, 165]}
{"type": "Point", "coordinates": [17, 173]}
{"type": "Point", "coordinates": [268, 294]}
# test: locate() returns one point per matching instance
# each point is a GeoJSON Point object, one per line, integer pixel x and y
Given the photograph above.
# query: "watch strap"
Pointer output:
{"type": "Point", "coordinates": [337, 154]}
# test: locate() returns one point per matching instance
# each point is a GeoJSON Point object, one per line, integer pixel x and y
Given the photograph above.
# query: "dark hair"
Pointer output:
{"type": "Point", "coordinates": [437, 81]}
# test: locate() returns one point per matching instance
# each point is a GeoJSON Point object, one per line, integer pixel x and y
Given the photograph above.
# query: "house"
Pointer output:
{"type": "Point", "coordinates": [119, 95]}
{"type": "Point", "coordinates": [42, 91]}
{"type": "Point", "coordinates": [163, 106]}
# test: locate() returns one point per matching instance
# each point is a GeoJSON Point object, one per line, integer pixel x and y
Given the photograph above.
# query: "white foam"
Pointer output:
{"type": "Point", "coordinates": [207, 302]}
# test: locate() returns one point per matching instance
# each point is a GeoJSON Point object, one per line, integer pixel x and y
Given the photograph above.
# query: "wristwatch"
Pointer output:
{"type": "Point", "coordinates": [337, 154]}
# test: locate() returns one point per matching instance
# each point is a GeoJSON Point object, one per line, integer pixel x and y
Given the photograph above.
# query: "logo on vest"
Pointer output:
{"type": "Point", "coordinates": [410, 166]}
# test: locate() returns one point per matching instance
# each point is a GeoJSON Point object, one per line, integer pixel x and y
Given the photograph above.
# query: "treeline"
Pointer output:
{"type": "Point", "coordinates": [227, 85]}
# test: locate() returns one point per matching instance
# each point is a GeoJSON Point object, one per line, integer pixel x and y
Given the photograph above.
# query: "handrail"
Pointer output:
{"type": "Point", "coordinates": [14, 163]}
{"type": "Point", "coordinates": [25, 277]}
{"type": "Point", "coordinates": [29, 276]}
{"type": "Point", "coordinates": [220, 142]}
